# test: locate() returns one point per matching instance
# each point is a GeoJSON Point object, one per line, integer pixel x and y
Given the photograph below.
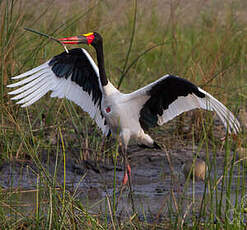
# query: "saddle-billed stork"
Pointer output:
{"type": "Point", "coordinates": [75, 76]}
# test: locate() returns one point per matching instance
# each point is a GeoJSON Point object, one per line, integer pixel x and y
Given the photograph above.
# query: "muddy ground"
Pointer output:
{"type": "Point", "coordinates": [156, 176]}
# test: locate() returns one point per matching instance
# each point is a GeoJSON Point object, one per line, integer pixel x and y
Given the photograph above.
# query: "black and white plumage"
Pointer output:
{"type": "Point", "coordinates": [75, 76]}
{"type": "Point", "coordinates": [72, 75]}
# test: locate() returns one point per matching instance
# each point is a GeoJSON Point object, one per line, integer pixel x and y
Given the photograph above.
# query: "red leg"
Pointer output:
{"type": "Point", "coordinates": [127, 178]}
{"type": "Point", "coordinates": [127, 171]}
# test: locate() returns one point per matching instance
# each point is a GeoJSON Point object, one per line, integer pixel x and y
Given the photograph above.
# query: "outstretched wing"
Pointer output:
{"type": "Point", "coordinates": [170, 96]}
{"type": "Point", "coordinates": [72, 75]}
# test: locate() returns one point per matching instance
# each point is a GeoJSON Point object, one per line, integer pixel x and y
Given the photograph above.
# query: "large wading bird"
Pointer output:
{"type": "Point", "coordinates": [75, 76]}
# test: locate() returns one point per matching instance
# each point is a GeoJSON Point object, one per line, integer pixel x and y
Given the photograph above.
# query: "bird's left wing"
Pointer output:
{"type": "Point", "coordinates": [170, 96]}
{"type": "Point", "coordinates": [72, 75]}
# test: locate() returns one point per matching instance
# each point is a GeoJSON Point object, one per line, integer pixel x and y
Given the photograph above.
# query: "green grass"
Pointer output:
{"type": "Point", "coordinates": [204, 43]}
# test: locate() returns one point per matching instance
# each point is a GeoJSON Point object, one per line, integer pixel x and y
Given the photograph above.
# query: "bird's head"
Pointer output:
{"type": "Point", "coordinates": [93, 39]}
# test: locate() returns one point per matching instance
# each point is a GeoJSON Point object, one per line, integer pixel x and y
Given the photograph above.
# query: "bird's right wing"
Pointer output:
{"type": "Point", "coordinates": [72, 75]}
{"type": "Point", "coordinates": [169, 96]}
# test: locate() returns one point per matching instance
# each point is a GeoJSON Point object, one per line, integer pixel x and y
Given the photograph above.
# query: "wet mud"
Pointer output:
{"type": "Point", "coordinates": [157, 180]}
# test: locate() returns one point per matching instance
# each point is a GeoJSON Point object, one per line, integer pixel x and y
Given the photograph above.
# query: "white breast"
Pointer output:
{"type": "Point", "coordinates": [122, 113]}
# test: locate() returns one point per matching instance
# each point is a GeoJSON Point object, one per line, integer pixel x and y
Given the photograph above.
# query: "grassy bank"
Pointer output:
{"type": "Point", "coordinates": [201, 41]}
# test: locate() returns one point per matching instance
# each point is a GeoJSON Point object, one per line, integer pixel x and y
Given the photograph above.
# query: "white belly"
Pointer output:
{"type": "Point", "coordinates": [122, 115]}
{"type": "Point", "coordinates": [122, 112]}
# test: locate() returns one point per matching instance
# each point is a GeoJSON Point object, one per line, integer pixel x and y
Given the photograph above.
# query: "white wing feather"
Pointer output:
{"type": "Point", "coordinates": [187, 103]}
{"type": "Point", "coordinates": [40, 80]}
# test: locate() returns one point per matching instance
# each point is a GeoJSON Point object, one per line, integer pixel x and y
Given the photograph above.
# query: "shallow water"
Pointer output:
{"type": "Point", "coordinates": [157, 185]}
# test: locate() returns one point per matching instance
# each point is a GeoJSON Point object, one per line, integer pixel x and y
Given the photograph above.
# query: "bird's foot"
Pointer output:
{"type": "Point", "coordinates": [127, 174]}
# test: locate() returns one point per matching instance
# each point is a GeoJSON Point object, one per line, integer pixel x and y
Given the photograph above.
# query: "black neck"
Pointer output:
{"type": "Point", "coordinates": [100, 59]}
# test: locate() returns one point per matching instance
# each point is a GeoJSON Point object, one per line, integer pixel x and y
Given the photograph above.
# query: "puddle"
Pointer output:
{"type": "Point", "coordinates": [154, 186]}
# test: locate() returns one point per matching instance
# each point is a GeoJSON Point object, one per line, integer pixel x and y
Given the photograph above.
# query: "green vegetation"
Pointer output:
{"type": "Point", "coordinates": [202, 41]}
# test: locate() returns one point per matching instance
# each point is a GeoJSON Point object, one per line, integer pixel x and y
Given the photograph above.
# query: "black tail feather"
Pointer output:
{"type": "Point", "coordinates": [155, 146]}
